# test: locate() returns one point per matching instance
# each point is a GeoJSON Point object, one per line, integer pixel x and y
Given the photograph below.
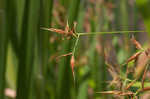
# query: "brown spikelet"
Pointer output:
{"type": "Point", "coordinates": [133, 57]}
{"type": "Point", "coordinates": [147, 52]}
{"type": "Point", "coordinates": [67, 28]}
{"type": "Point", "coordinates": [144, 76]}
{"type": "Point", "coordinates": [74, 27]}
{"type": "Point", "coordinates": [137, 44]}
{"type": "Point", "coordinates": [66, 32]}
{"type": "Point", "coordinates": [145, 89]}
{"type": "Point", "coordinates": [72, 63]}
{"type": "Point", "coordinates": [115, 92]}
{"type": "Point", "coordinates": [110, 92]}
{"type": "Point", "coordinates": [130, 84]}
{"type": "Point", "coordinates": [59, 31]}
{"type": "Point", "coordinates": [141, 63]}
{"type": "Point", "coordinates": [64, 55]}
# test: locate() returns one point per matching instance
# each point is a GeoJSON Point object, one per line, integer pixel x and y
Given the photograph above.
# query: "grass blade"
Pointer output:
{"type": "Point", "coordinates": [143, 6]}
{"type": "Point", "coordinates": [3, 48]}
{"type": "Point", "coordinates": [43, 49]}
{"type": "Point", "coordinates": [64, 86]}
{"type": "Point", "coordinates": [29, 30]}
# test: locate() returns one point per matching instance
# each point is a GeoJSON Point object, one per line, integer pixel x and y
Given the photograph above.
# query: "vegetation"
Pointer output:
{"type": "Point", "coordinates": [74, 49]}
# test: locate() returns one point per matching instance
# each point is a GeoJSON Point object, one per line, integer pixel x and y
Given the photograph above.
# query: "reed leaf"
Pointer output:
{"type": "Point", "coordinates": [64, 76]}
{"type": "Point", "coordinates": [29, 29]}
{"type": "Point", "coordinates": [3, 45]}
{"type": "Point", "coordinates": [143, 7]}
{"type": "Point", "coordinates": [43, 48]}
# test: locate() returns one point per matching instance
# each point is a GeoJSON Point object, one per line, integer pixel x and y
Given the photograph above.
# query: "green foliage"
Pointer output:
{"type": "Point", "coordinates": [3, 51]}
{"type": "Point", "coordinates": [26, 54]}
{"type": "Point", "coordinates": [143, 6]}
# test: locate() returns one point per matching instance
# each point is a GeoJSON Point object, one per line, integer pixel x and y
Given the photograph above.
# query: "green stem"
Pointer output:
{"type": "Point", "coordinates": [26, 49]}
{"type": "Point", "coordinates": [113, 32]}
{"type": "Point", "coordinates": [76, 43]}
{"type": "Point", "coordinates": [3, 52]}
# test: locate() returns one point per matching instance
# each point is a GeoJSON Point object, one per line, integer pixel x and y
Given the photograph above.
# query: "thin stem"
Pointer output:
{"type": "Point", "coordinates": [96, 33]}
{"type": "Point", "coordinates": [73, 54]}
{"type": "Point", "coordinates": [144, 76]}
{"type": "Point", "coordinates": [115, 32]}
{"type": "Point", "coordinates": [76, 43]}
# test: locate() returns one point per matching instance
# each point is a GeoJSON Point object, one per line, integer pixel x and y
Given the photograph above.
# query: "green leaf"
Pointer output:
{"type": "Point", "coordinates": [26, 49]}
{"type": "Point", "coordinates": [143, 6]}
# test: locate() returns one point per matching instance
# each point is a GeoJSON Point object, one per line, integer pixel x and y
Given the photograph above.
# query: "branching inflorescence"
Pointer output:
{"type": "Point", "coordinates": [71, 32]}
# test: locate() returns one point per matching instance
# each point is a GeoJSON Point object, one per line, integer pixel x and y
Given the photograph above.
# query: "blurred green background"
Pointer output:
{"type": "Point", "coordinates": [28, 64]}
